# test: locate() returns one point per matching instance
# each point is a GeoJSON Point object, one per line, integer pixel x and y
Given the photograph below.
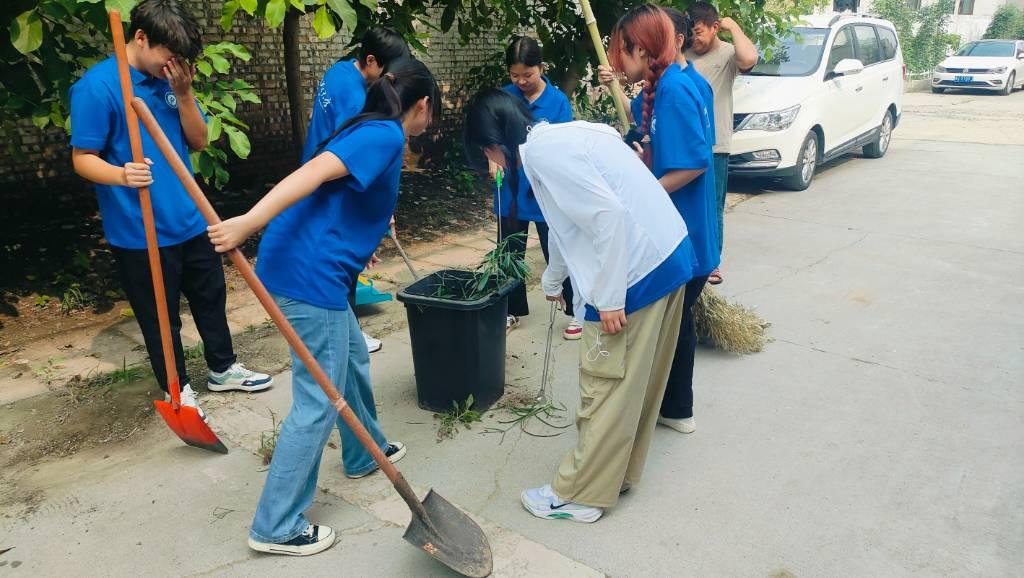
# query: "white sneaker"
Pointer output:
{"type": "Point", "coordinates": [574, 331]}
{"type": "Point", "coordinates": [543, 503]}
{"type": "Point", "coordinates": [372, 345]}
{"type": "Point", "coordinates": [511, 322]}
{"type": "Point", "coordinates": [188, 399]}
{"type": "Point", "coordinates": [313, 540]}
{"type": "Point", "coordinates": [238, 378]}
{"type": "Point", "coordinates": [684, 425]}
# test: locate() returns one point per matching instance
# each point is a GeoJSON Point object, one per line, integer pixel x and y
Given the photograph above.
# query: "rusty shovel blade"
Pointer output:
{"type": "Point", "coordinates": [450, 536]}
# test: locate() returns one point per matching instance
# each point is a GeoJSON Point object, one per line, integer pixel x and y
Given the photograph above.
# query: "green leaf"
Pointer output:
{"type": "Point", "coordinates": [27, 32]}
{"type": "Point", "coordinates": [229, 101]}
{"type": "Point", "coordinates": [206, 166]}
{"type": "Point", "coordinates": [249, 6]}
{"type": "Point", "coordinates": [219, 63]}
{"type": "Point", "coordinates": [275, 12]}
{"type": "Point", "coordinates": [239, 142]}
{"type": "Point", "coordinates": [298, 5]}
{"type": "Point", "coordinates": [323, 24]}
{"type": "Point", "coordinates": [204, 68]}
{"type": "Point", "coordinates": [348, 15]}
{"type": "Point", "coordinates": [227, 15]}
{"type": "Point", "coordinates": [214, 129]}
{"type": "Point", "coordinates": [371, 4]}
{"type": "Point", "coordinates": [123, 6]}
{"type": "Point", "coordinates": [41, 119]}
{"type": "Point", "coordinates": [221, 177]}
{"type": "Point", "coordinates": [238, 51]}
{"type": "Point", "coordinates": [248, 96]}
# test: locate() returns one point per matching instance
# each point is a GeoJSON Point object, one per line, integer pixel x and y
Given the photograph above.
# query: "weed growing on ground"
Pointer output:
{"type": "Point", "coordinates": [194, 352]}
{"type": "Point", "coordinates": [450, 420]}
{"type": "Point", "coordinates": [73, 300]}
{"type": "Point", "coordinates": [268, 440]}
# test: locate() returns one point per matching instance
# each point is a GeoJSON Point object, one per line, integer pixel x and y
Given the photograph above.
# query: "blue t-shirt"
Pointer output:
{"type": "Point", "coordinates": [551, 106]}
{"type": "Point", "coordinates": [98, 123]}
{"type": "Point", "coordinates": [681, 139]}
{"type": "Point", "coordinates": [636, 106]}
{"type": "Point", "coordinates": [314, 251]}
{"type": "Point", "coordinates": [673, 273]}
{"type": "Point", "coordinates": [340, 96]}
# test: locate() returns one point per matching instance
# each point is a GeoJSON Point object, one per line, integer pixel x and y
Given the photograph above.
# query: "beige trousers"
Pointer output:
{"type": "Point", "coordinates": [622, 381]}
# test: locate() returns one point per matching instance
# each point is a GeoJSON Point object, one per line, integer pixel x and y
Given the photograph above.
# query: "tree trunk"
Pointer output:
{"type": "Point", "coordinates": [296, 100]}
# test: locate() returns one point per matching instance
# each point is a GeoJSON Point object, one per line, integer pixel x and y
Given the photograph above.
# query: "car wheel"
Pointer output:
{"type": "Point", "coordinates": [1008, 89]}
{"type": "Point", "coordinates": [938, 90]}
{"type": "Point", "coordinates": [876, 150]}
{"type": "Point", "coordinates": [806, 164]}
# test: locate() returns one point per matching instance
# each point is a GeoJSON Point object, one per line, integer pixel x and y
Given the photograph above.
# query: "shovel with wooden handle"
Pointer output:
{"type": "Point", "coordinates": [184, 421]}
{"type": "Point", "coordinates": [438, 527]}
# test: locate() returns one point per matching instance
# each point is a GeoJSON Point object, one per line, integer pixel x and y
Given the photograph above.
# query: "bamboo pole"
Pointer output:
{"type": "Point", "coordinates": [602, 58]}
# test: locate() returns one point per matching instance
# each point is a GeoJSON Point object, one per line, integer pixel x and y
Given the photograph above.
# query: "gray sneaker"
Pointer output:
{"type": "Point", "coordinates": [238, 378]}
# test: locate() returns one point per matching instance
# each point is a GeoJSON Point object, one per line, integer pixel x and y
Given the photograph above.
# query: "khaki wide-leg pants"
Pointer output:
{"type": "Point", "coordinates": [622, 381]}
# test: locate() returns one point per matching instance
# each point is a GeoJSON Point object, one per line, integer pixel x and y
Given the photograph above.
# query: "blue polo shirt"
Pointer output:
{"type": "Point", "coordinates": [314, 250]}
{"type": "Point", "coordinates": [636, 106]}
{"type": "Point", "coordinates": [551, 106]}
{"type": "Point", "coordinates": [98, 123]}
{"type": "Point", "coordinates": [681, 137]}
{"type": "Point", "coordinates": [340, 96]}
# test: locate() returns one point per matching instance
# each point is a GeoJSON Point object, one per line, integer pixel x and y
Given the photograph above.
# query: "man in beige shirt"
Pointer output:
{"type": "Point", "coordinates": [719, 62]}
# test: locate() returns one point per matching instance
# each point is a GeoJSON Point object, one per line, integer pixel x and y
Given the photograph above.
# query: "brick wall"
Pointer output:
{"type": "Point", "coordinates": [48, 167]}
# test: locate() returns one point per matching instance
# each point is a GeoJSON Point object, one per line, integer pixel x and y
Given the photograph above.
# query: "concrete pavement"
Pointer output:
{"type": "Point", "coordinates": [880, 434]}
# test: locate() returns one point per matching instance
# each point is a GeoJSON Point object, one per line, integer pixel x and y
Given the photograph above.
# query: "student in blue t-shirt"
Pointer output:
{"type": "Point", "coordinates": [163, 39]}
{"type": "Point", "coordinates": [341, 93]}
{"type": "Point", "coordinates": [325, 220]}
{"type": "Point", "coordinates": [516, 212]}
{"type": "Point", "coordinates": [678, 124]}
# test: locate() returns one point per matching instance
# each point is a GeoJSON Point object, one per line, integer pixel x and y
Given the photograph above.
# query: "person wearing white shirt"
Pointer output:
{"type": "Point", "coordinates": [616, 234]}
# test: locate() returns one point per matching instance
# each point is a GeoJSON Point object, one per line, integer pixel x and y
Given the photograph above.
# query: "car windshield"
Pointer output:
{"type": "Point", "coordinates": [798, 54]}
{"type": "Point", "coordinates": [987, 49]}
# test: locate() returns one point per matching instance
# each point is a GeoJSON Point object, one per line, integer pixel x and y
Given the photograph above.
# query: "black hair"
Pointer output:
{"type": "Point", "coordinates": [385, 45]}
{"type": "Point", "coordinates": [407, 81]}
{"type": "Point", "coordinates": [523, 50]}
{"type": "Point", "coordinates": [703, 12]}
{"type": "Point", "coordinates": [495, 117]}
{"type": "Point", "coordinates": [683, 24]}
{"type": "Point", "coordinates": [167, 23]}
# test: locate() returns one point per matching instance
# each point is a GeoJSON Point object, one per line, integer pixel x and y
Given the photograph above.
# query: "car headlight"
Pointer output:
{"type": "Point", "coordinates": [999, 70]}
{"type": "Point", "coordinates": [940, 69]}
{"type": "Point", "coordinates": [770, 121]}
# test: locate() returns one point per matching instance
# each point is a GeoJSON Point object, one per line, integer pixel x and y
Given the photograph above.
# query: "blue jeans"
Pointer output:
{"type": "Point", "coordinates": [336, 342]}
{"type": "Point", "coordinates": [721, 187]}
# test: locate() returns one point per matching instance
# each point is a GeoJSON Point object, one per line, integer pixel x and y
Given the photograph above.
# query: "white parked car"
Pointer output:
{"type": "Point", "coordinates": [984, 64]}
{"type": "Point", "coordinates": [827, 91]}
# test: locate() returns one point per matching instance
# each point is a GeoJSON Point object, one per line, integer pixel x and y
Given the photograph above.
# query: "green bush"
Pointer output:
{"type": "Point", "coordinates": [1007, 23]}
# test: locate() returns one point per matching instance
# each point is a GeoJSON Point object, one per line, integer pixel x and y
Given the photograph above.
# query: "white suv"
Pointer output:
{"type": "Point", "coordinates": [824, 92]}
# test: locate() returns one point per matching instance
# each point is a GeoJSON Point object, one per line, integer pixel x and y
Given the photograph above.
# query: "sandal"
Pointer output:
{"type": "Point", "coordinates": [715, 278]}
{"type": "Point", "coordinates": [511, 322]}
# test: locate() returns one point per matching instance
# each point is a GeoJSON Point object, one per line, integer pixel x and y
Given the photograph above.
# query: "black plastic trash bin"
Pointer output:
{"type": "Point", "coordinates": [458, 347]}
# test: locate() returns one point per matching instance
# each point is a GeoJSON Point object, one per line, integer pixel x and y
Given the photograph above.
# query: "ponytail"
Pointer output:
{"type": "Point", "coordinates": [406, 82]}
{"type": "Point", "coordinates": [648, 27]}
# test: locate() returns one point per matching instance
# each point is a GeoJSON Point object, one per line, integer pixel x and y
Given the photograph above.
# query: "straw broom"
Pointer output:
{"type": "Point", "coordinates": [727, 326]}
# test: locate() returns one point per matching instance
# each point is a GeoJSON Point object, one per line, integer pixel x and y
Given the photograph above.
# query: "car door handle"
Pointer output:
{"type": "Point", "coordinates": [885, 79]}
{"type": "Point", "coordinates": [859, 88]}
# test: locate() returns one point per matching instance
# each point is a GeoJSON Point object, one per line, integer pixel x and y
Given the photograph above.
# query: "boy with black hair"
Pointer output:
{"type": "Point", "coordinates": [719, 62]}
{"type": "Point", "coordinates": [164, 39]}
{"type": "Point", "coordinates": [341, 95]}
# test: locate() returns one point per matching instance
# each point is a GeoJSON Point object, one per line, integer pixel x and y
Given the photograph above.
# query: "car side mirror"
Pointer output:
{"type": "Point", "coordinates": [848, 67]}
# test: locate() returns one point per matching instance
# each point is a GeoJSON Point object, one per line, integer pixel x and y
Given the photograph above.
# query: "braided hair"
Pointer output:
{"type": "Point", "coordinates": [648, 27]}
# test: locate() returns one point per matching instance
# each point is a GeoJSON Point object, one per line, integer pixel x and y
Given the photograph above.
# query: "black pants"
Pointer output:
{"type": "Point", "coordinates": [517, 304]}
{"type": "Point", "coordinates": [191, 268]}
{"type": "Point", "coordinates": [678, 400]}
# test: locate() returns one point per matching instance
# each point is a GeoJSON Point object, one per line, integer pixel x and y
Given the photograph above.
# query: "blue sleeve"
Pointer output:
{"type": "Point", "coordinates": [367, 151]}
{"type": "Point", "coordinates": [681, 142]}
{"type": "Point", "coordinates": [565, 111]}
{"type": "Point", "coordinates": [92, 118]}
{"type": "Point", "coordinates": [636, 106]}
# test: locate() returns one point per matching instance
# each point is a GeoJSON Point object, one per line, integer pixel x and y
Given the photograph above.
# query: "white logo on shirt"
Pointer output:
{"type": "Point", "coordinates": [654, 124]}
{"type": "Point", "coordinates": [171, 100]}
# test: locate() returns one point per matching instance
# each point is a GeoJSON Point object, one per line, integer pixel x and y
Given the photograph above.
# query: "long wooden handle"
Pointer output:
{"type": "Point", "coordinates": [148, 222]}
{"type": "Point", "coordinates": [602, 58]}
{"type": "Point", "coordinates": [293, 339]}
{"type": "Point", "coordinates": [405, 257]}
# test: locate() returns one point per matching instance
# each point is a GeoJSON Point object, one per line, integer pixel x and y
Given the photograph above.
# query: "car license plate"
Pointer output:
{"type": "Point", "coordinates": [963, 79]}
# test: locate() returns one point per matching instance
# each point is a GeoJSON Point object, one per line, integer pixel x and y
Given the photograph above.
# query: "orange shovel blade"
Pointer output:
{"type": "Point", "coordinates": [190, 426]}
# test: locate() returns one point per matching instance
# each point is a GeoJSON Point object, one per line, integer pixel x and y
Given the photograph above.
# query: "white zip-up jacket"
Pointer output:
{"type": "Point", "coordinates": [611, 222]}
